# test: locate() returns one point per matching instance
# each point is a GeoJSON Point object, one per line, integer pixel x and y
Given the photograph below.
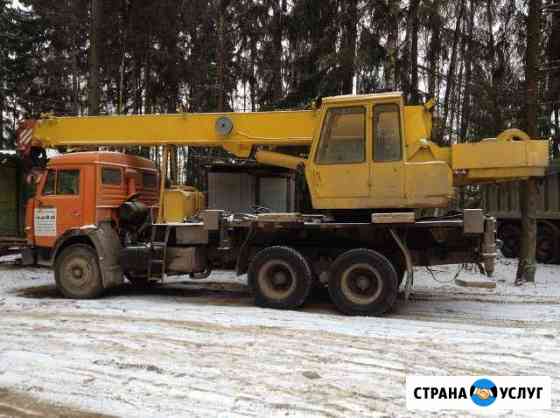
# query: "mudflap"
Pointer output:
{"type": "Point", "coordinates": [409, 282]}
{"type": "Point", "coordinates": [28, 257]}
{"type": "Point", "coordinates": [108, 247]}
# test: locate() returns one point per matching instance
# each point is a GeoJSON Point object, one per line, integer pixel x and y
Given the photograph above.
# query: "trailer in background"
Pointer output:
{"type": "Point", "coordinates": [502, 202]}
{"type": "Point", "coordinates": [13, 194]}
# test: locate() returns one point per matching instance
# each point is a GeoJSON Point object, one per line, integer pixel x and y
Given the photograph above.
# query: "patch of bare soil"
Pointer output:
{"type": "Point", "coordinates": [18, 405]}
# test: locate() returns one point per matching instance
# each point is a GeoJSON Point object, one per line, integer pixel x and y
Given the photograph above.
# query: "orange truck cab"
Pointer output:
{"type": "Point", "coordinates": [84, 198]}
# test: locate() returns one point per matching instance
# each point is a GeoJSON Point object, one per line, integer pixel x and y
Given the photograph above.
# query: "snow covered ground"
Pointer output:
{"type": "Point", "coordinates": [202, 349]}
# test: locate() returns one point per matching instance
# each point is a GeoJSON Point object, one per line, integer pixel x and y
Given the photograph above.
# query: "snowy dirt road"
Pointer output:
{"type": "Point", "coordinates": [202, 349]}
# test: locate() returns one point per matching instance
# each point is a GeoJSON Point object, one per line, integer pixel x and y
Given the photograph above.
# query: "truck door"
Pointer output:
{"type": "Point", "coordinates": [58, 206]}
{"type": "Point", "coordinates": [341, 169]}
{"type": "Point", "coordinates": [387, 169]}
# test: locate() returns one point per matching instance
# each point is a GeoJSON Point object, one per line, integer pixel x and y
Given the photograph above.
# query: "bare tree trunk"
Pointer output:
{"type": "Point", "coordinates": [455, 102]}
{"type": "Point", "coordinates": [252, 80]}
{"type": "Point", "coordinates": [452, 64]}
{"type": "Point", "coordinates": [468, 52]}
{"type": "Point", "coordinates": [171, 76]}
{"type": "Point", "coordinates": [557, 120]}
{"type": "Point", "coordinates": [73, 25]}
{"type": "Point", "coordinates": [350, 35]}
{"type": "Point", "coordinates": [75, 83]}
{"type": "Point", "coordinates": [121, 103]}
{"type": "Point", "coordinates": [527, 266]}
{"type": "Point", "coordinates": [94, 34]}
{"type": "Point", "coordinates": [415, 28]}
{"type": "Point", "coordinates": [494, 88]}
{"type": "Point", "coordinates": [2, 99]}
{"type": "Point", "coordinates": [279, 8]}
{"type": "Point", "coordinates": [434, 47]}
{"type": "Point", "coordinates": [2, 105]}
{"type": "Point", "coordinates": [221, 53]}
{"type": "Point", "coordinates": [391, 70]}
{"type": "Point", "coordinates": [138, 102]}
{"type": "Point", "coordinates": [148, 79]}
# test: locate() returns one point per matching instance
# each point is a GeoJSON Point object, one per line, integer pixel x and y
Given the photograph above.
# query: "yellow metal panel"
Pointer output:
{"type": "Point", "coordinates": [498, 154]}
{"type": "Point", "coordinates": [428, 184]}
{"type": "Point", "coordinates": [483, 175]}
{"type": "Point", "coordinates": [180, 204]}
{"type": "Point", "coordinates": [418, 124]}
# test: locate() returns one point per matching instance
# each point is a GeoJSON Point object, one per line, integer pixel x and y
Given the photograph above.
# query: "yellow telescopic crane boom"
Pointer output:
{"type": "Point", "coordinates": [238, 133]}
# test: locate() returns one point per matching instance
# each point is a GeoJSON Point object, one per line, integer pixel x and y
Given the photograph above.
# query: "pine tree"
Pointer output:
{"type": "Point", "coordinates": [529, 192]}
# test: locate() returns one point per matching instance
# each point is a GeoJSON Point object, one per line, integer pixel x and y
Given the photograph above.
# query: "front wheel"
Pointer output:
{"type": "Point", "coordinates": [280, 277]}
{"type": "Point", "coordinates": [77, 273]}
{"type": "Point", "coordinates": [363, 282]}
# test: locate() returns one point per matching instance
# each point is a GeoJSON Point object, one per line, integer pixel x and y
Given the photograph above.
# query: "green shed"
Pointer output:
{"type": "Point", "coordinates": [12, 197]}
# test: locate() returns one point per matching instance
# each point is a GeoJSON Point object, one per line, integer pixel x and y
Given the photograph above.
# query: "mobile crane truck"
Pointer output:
{"type": "Point", "coordinates": [98, 217]}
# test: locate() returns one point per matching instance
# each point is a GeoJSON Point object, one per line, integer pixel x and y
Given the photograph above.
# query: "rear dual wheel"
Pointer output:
{"type": "Point", "coordinates": [280, 277]}
{"type": "Point", "coordinates": [363, 282]}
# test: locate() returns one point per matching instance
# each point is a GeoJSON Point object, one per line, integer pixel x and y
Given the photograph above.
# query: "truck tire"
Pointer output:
{"type": "Point", "coordinates": [363, 282]}
{"type": "Point", "coordinates": [281, 278]}
{"type": "Point", "coordinates": [510, 235]}
{"type": "Point", "coordinates": [77, 273]}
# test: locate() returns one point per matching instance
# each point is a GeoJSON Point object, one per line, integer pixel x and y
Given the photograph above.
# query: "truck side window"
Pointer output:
{"type": "Point", "coordinates": [48, 190]}
{"type": "Point", "coordinates": [68, 182]}
{"type": "Point", "coordinates": [111, 176]}
{"type": "Point", "coordinates": [343, 139]}
{"type": "Point", "coordinates": [387, 133]}
{"type": "Point", "coordinates": [149, 181]}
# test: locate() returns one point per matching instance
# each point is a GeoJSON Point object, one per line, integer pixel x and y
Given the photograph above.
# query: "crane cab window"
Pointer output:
{"type": "Point", "coordinates": [111, 176]}
{"type": "Point", "coordinates": [50, 182]}
{"type": "Point", "coordinates": [343, 139]}
{"type": "Point", "coordinates": [387, 133]}
{"type": "Point", "coordinates": [68, 182]}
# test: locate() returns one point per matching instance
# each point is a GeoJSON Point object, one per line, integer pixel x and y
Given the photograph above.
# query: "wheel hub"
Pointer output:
{"type": "Point", "coordinates": [361, 284]}
{"type": "Point", "coordinates": [277, 279]}
{"type": "Point", "coordinates": [78, 271]}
